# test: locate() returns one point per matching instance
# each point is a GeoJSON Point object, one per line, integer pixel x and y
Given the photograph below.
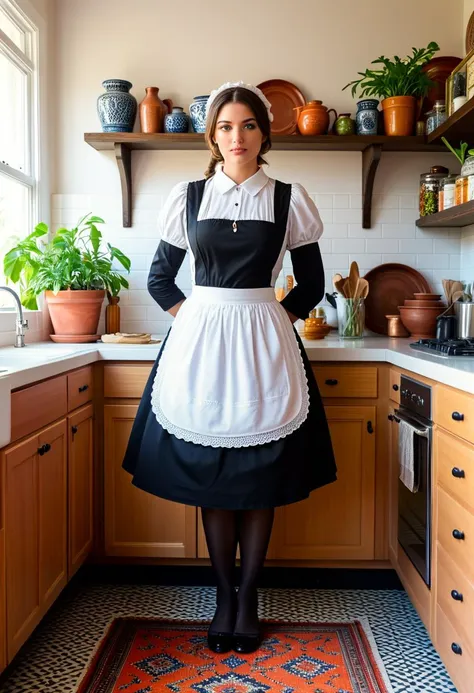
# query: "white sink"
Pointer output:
{"type": "Point", "coordinates": [13, 359]}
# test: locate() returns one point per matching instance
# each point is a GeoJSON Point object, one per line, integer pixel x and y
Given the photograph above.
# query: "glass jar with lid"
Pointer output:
{"type": "Point", "coordinates": [446, 192]}
{"type": "Point", "coordinates": [429, 189]}
{"type": "Point", "coordinates": [436, 116]}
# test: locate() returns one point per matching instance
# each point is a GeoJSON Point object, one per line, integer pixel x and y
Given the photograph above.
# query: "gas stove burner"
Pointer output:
{"type": "Point", "coordinates": [446, 347]}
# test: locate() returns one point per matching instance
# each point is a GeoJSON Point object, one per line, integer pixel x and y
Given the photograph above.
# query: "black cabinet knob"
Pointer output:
{"type": "Point", "coordinates": [331, 381]}
{"type": "Point", "coordinates": [459, 473]}
{"type": "Point", "coordinates": [457, 649]}
{"type": "Point", "coordinates": [457, 416]}
{"type": "Point", "coordinates": [74, 429]}
{"type": "Point", "coordinates": [370, 428]}
{"type": "Point", "coordinates": [41, 450]}
{"type": "Point", "coordinates": [457, 534]}
{"type": "Point", "coordinates": [457, 596]}
{"type": "Point", "coordinates": [390, 417]}
{"type": "Point", "coordinates": [83, 388]}
{"type": "Point", "coordinates": [395, 387]}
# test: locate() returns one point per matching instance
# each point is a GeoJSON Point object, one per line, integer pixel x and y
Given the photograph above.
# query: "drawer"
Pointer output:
{"type": "Point", "coordinates": [454, 410]}
{"type": "Point", "coordinates": [126, 381]}
{"type": "Point", "coordinates": [454, 455]}
{"type": "Point", "coordinates": [346, 381]}
{"type": "Point", "coordinates": [38, 405]}
{"type": "Point", "coordinates": [394, 393]}
{"type": "Point", "coordinates": [459, 666]}
{"type": "Point", "coordinates": [79, 387]}
{"type": "Point", "coordinates": [453, 517]}
{"type": "Point", "coordinates": [449, 579]}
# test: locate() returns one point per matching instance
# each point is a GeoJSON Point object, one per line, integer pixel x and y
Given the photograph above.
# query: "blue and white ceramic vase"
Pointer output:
{"type": "Point", "coordinates": [177, 120]}
{"type": "Point", "coordinates": [197, 112]}
{"type": "Point", "coordinates": [367, 117]}
{"type": "Point", "coordinates": [117, 108]}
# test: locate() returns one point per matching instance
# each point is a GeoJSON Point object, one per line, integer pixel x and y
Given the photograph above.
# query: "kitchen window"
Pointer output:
{"type": "Point", "coordinates": [18, 129]}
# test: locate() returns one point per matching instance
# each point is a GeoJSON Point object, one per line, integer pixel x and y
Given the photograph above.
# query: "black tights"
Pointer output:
{"type": "Point", "coordinates": [224, 529]}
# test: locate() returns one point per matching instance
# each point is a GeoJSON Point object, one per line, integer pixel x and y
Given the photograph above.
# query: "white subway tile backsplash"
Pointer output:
{"type": "Point", "coordinates": [398, 231]}
{"type": "Point", "coordinates": [394, 237]}
{"type": "Point", "coordinates": [341, 201]}
{"type": "Point", "coordinates": [416, 246]}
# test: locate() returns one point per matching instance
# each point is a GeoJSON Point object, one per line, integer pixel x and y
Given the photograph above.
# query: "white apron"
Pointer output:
{"type": "Point", "coordinates": [231, 373]}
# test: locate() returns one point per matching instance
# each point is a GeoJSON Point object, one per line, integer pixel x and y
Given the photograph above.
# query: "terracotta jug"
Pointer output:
{"type": "Point", "coordinates": [313, 118]}
{"type": "Point", "coordinates": [152, 111]}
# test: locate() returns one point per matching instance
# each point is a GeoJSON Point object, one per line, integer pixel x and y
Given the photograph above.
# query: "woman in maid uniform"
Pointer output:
{"type": "Point", "coordinates": [231, 406]}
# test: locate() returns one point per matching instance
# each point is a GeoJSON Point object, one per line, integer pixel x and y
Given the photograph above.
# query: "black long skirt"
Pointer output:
{"type": "Point", "coordinates": [261, 476]}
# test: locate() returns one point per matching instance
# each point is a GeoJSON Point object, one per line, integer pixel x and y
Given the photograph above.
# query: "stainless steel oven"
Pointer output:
{"type": "Point", "coordinates": [414, 506]}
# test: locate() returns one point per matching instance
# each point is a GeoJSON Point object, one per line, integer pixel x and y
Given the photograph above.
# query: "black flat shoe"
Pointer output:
{"type": "Point", "coordinates": [220, 642]}
{"type": "Point", "coordinates": [245, 644]}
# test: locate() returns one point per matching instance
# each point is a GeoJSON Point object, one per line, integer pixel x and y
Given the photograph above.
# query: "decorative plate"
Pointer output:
{"type": "Point", "coordinates": [284, 97]}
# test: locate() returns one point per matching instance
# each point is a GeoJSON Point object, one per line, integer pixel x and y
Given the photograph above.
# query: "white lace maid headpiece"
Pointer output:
{"type": "Point", "coordinates": [250, 87]}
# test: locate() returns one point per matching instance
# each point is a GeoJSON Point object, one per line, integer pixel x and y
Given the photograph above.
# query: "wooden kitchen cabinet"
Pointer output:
{"type": "Point", "coordinates": [138, 523]}
{"type": "Point", "coordinates": [35, 529]}
{"type": "Point", "coordinates": [80, 487]}
{"type": "Point", "coordinates": [337, 522]}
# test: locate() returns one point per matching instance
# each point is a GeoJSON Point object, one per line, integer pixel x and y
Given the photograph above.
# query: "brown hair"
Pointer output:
{"type": "Point", "coordinates": [256, 105]}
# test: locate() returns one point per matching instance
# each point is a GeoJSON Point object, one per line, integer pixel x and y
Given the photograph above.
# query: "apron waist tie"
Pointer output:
{"type": "Point", "coordinates": [214, 294]}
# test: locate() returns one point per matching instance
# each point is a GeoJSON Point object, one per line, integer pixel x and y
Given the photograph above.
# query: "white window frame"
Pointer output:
{"type": "Point", "coordinates": [28, 62]}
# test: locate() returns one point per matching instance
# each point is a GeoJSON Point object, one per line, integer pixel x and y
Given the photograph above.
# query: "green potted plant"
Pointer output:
{"type": "Point", "coordinates": [72, 270]}
{"type": "Point", "coordinates": [399, 83]}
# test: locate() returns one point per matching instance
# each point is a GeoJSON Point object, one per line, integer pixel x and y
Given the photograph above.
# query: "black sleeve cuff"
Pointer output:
{"type": "Point", "coordinates": [309, 277]}
{"type": "Point", "coordinates": [161, 279]}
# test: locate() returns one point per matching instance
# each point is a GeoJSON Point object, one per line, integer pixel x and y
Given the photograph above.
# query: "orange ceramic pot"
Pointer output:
{"type": "Point", "coordinates": [399, 115]}
{"type": "Point", "coordinates": [75, 312]}
{"type": "Point", "coordinates": [152, 111]}
{"type": "Point", "coordinates": [313, 118]}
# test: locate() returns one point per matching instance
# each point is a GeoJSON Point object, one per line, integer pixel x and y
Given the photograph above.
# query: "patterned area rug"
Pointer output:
{"type": "Point", "coordinates": [150, 655]}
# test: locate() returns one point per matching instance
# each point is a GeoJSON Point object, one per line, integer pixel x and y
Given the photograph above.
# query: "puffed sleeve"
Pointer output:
{"type": "Point", "coordinates": [171, 250]}
{"type": "Point", "coordinates": [304, 229]}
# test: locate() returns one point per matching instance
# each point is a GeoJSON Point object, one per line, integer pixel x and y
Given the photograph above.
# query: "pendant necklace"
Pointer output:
{"type": "Point", "coordinates": [234, 227]}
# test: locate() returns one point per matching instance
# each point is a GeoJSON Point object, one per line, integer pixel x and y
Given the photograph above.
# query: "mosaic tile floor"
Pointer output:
{"type": "Point", "coordinates": [55, 656]}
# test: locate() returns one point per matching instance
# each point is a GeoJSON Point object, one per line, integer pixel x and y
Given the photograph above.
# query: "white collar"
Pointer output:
{"type": "Point", "coordinates": [251, 185]}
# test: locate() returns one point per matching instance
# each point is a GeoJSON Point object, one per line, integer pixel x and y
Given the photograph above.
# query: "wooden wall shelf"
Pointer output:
{"type": "Point", "coordinates": [456, 217]}
{"type": "Point", "coordinates": [371, 148]}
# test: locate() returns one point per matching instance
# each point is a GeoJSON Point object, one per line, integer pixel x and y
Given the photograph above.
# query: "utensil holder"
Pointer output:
{"type": "Point", "coordinates": [350, 317]}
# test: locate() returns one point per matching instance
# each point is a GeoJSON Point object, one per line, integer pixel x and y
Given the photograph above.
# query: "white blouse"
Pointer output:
{"type": "Point", "coordinates": [250, 200]}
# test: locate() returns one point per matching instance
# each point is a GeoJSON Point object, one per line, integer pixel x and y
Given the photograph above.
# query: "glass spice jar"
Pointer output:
{"type": "Point", "coordinates": [436, 116]}
{"type": "Point", "coordinates": [429, 189]}
{"type": "Point", "coordinates": [460, 191]}
{"type": "Point", "coordinates": [446, 192]}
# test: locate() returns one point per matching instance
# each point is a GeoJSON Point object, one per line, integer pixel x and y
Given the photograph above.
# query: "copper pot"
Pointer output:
{"type": "Point", "coordinates": [395, 327]}
{"type": "Point", "coordinates": [313, 118]}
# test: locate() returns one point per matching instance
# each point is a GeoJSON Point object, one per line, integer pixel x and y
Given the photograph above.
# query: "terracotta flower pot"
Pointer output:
{"type": "Point", "coordinates": [399, 115]}
{"type": "Point", "coordinates": [75, 312]}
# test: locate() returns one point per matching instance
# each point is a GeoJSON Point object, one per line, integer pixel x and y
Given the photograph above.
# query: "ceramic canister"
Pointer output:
{"type": "Point", "coordinates": [177, 120]}
{"type": "Point", "coordinates": [367, 117]}
{"type": "Point", "coordinates": [197, 113]}
{"type": "Point", "coordinates": [117, 108]}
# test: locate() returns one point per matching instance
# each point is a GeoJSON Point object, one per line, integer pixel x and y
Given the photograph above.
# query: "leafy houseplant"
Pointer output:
{"type": "Point", "coordinates": [72, 270]}
{"type": "Point", "coordinates": [398, 82]}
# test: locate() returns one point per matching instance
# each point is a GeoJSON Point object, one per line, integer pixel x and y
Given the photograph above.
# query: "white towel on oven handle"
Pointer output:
{"type": "Point", "coordinates": [406, 454]}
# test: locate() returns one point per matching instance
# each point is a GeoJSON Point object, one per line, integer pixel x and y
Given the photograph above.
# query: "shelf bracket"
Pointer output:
{"type": "Point", "coordinates": [370, 161]}
{"type": "Point", "coordinates": [123, 155]}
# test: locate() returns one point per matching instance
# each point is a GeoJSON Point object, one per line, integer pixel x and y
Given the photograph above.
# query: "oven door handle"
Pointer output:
{"type": "Point", "coordinates": [422, 431]}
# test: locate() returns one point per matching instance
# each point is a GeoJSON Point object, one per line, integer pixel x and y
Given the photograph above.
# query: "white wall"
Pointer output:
{"type": "Point", "coordinates": [187, 49]}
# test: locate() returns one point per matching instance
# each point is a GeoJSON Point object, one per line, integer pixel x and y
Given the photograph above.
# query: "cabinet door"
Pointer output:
{"type": "Point", "coordinates": [21, 542]}
{"type": "Point", "coordinates": [80, 487]}
{"type": "Point", "coordinates": [337, 521]}
{"type": "Point", "coordinates": [52, 512]}
{"type": "Point", "coordinates": [394, 471]}
{"type": "Point", "coordinates": [138, 523]}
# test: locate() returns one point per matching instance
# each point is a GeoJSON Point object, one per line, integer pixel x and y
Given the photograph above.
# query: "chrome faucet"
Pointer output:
{"type": "Point", "coordinates": [21, 324]}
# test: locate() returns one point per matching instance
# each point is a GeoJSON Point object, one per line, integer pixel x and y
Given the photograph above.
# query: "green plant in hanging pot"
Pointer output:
{"type": "Point", "coordinates": [73, 271]}
{"type": "Point", "coordinates": [398, 83]}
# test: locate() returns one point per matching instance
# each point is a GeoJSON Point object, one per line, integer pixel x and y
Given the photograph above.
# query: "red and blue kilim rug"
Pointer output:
{"type": "Point", "coordinates": [149, 655]}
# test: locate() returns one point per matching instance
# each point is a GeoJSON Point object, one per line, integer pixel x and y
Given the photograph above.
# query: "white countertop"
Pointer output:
{"type": "Point", "coordinates": [19, 367]}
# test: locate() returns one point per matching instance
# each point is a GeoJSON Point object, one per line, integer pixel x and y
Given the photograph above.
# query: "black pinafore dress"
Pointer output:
{"type": "Point", "coordinates": [231, 409]}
